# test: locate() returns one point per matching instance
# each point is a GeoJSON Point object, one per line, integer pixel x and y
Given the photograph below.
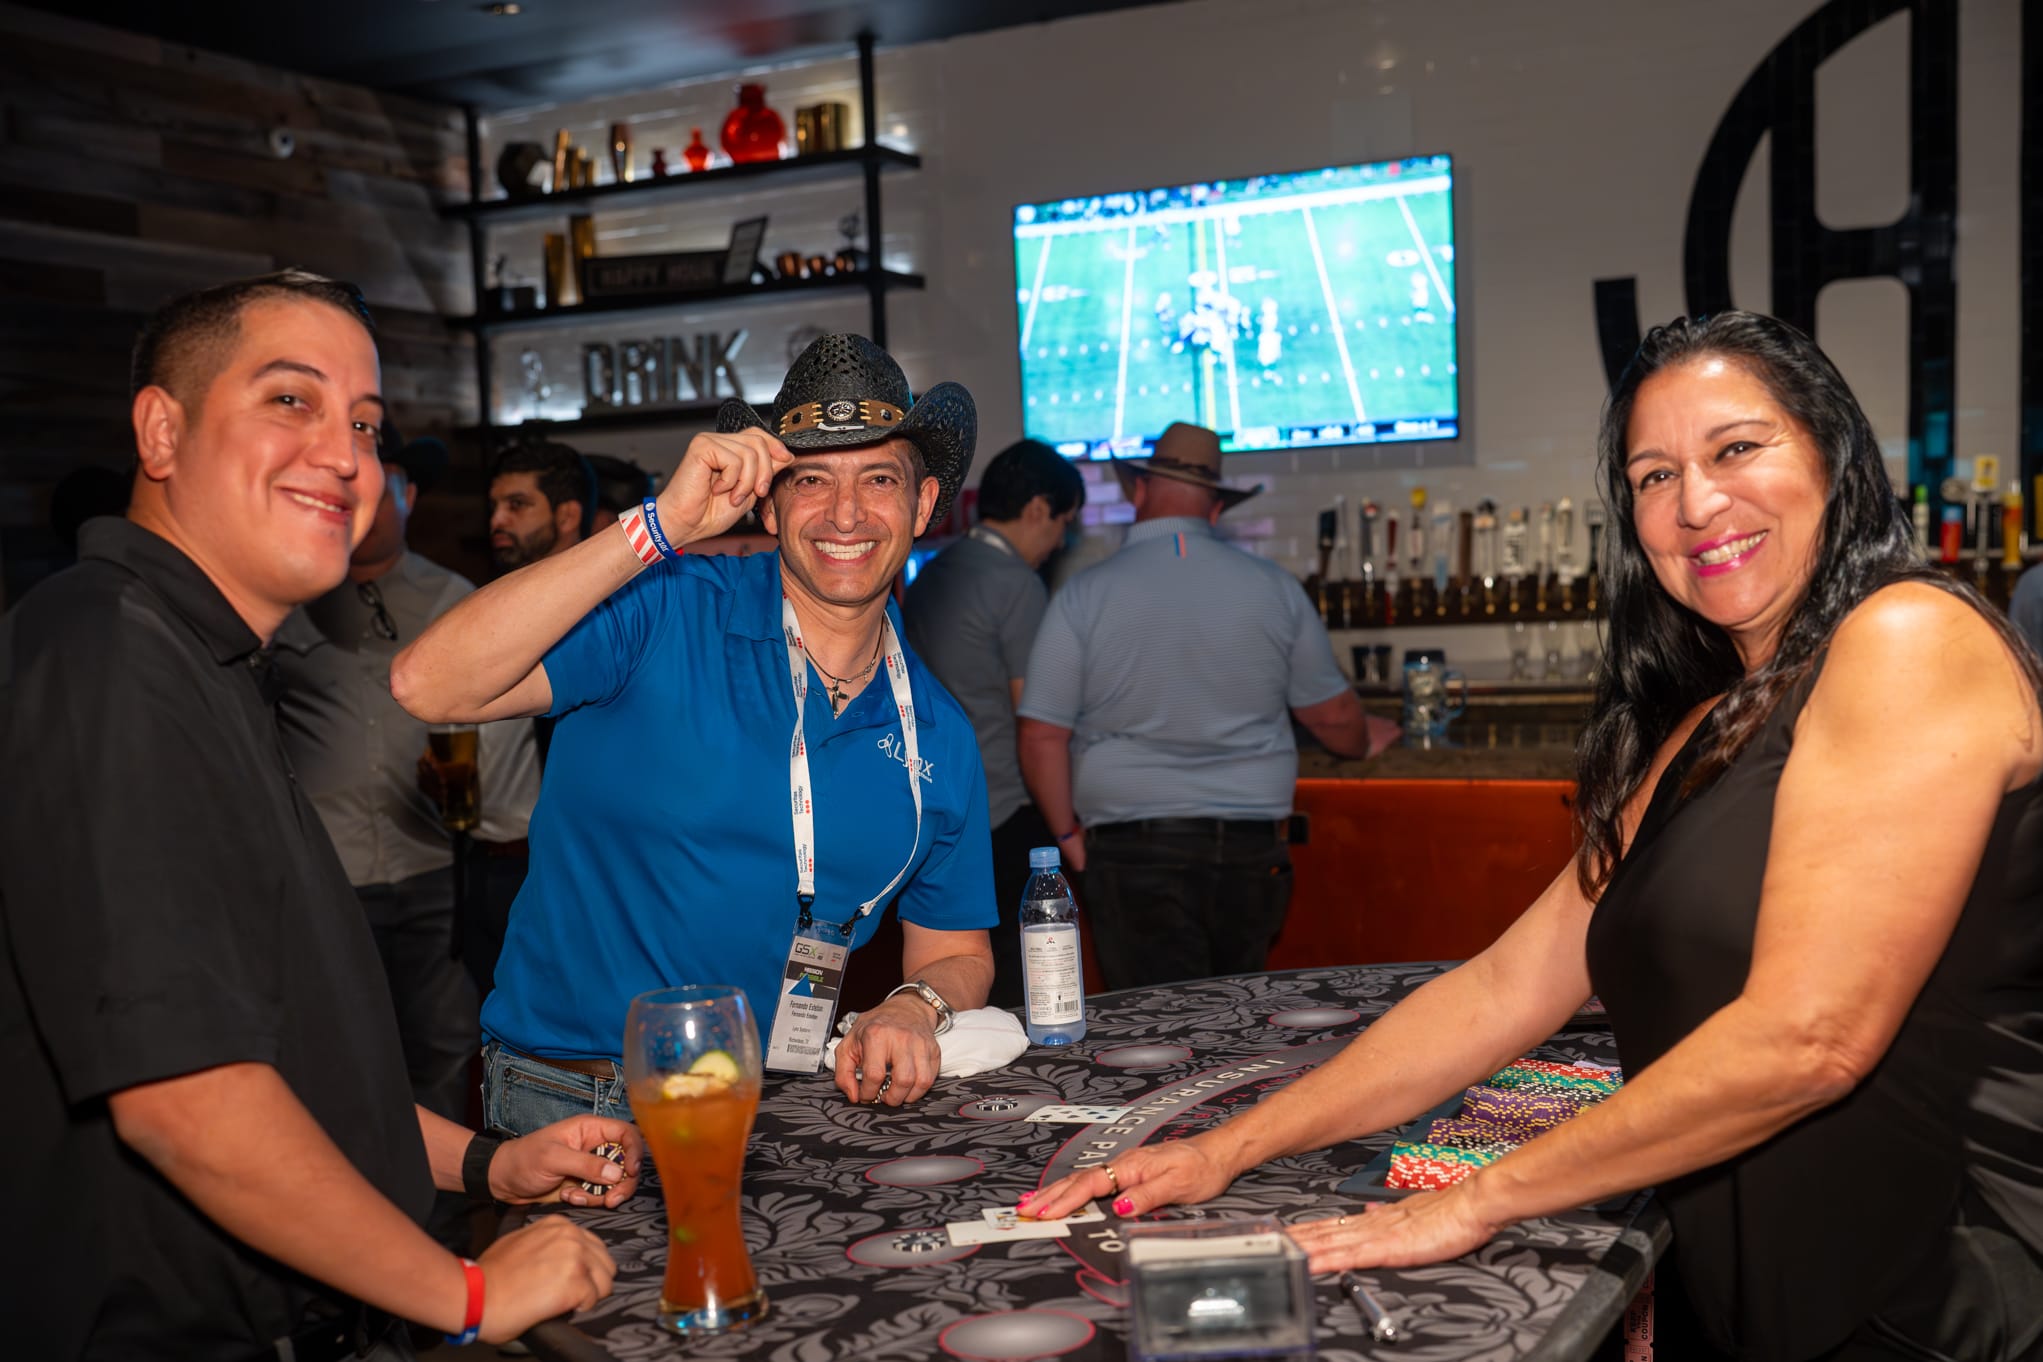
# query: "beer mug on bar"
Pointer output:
{"type": "Point", "coordinates": [453, 749]}
{"type": "Point", "coordinates": [691, 1066]}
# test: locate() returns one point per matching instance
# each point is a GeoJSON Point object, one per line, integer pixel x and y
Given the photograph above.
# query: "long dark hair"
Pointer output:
{"type": "Point", "coordinates": [1662, 659]}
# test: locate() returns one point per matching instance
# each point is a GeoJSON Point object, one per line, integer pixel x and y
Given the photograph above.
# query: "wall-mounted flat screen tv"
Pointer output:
{"type": "Point", "coordinates": [1308, 308]}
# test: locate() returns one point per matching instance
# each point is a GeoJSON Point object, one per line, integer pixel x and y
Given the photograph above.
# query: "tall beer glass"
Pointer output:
{"type": "Point", "coordinates": [691, 1062]}
{"type": "Point", "coordinates": [453, 749]}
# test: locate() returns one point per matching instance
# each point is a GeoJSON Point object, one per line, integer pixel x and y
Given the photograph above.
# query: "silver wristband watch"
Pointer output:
{"type": "Point", "coordinates": [944, 1015]}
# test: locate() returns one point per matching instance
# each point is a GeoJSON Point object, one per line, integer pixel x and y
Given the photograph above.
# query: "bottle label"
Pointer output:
{"type": "Point", "coordinates": [1050, 967]}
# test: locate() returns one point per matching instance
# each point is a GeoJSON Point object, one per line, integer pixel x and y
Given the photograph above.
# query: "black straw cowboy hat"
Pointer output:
{"type": "Point", "coordinates": [844, 391]}
{"type": "Point", "coordinates": [1184, 453]}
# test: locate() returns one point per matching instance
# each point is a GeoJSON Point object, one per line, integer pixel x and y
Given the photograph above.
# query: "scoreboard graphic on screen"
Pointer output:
{"type": "Point", "coordinates": [1309, 308]}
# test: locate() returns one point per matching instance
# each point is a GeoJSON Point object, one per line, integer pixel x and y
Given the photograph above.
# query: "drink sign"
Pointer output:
{"type": "Point", "coordinates": [661, 370]}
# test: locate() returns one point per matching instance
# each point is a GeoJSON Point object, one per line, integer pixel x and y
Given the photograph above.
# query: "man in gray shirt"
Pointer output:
{"type": "Point", "coordinates": [356, 754]}
{"type": "Point", "coordinates": [971, 617]}
{"type": "Point", "coordinates": [1156, 728]}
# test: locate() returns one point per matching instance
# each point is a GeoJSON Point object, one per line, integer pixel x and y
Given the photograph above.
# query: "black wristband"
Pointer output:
{"type": "Point", "coordinates": [475, 1166]}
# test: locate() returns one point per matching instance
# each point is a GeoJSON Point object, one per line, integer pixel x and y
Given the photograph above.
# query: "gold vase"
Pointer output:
{"type": "Point", "coordinates": [563, 161]}
{"type": "Point", "coordinates": [558, 270]}
{"type": "Point", "coordinates": [620, 153]}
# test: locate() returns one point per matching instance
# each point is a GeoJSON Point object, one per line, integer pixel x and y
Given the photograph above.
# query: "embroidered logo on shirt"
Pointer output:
{"type": "Point", "coordinates": [922, 766]}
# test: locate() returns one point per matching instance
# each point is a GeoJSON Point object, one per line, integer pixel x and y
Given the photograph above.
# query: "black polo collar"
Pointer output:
{"type": "Point", "coordinates": [182, 584]}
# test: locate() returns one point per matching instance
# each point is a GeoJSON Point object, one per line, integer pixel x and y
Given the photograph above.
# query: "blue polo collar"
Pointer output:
{"type": "Point", "coordinates": [1164, 527]}
{"type": "Point", "coordinates": [755, 614]}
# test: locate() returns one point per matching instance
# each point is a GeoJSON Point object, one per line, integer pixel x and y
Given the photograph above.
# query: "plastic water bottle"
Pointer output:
{"type": "Point", "coordinates": [1053, 979]}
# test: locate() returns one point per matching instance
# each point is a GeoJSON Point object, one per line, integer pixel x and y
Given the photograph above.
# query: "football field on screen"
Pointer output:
{"type": "Point", "coordinates": [1239, 321]}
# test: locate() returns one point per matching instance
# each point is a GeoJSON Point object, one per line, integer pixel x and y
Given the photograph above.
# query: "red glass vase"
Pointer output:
{"type": "Point", "coordinates": [753, 132]}
{"type": "Point", "coordinates": [695, 153]}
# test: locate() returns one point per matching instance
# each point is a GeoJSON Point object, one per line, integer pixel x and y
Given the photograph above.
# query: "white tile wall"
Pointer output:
{"type": "Point", "coordinates": [1576, 129]}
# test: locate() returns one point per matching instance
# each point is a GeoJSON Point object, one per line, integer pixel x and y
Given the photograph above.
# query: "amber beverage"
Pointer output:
{"type": "Point", "coordinates": [452, 749]}
{"type": "Point", "coordinates": [698, 1145]}
{"type": "Point", "coordinates": [691, 1062]}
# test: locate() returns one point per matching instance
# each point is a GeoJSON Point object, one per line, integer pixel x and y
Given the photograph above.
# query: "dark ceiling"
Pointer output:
{"type": "Point", "coordinates": [458, 52]}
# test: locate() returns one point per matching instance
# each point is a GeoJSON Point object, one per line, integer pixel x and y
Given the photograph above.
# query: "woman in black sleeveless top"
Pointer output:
{"type": "Point", "coordinates": [1809, 890]}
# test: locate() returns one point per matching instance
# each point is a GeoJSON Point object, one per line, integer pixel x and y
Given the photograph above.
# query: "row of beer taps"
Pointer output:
{"type": "Point", "coordinates": [1485, 562]}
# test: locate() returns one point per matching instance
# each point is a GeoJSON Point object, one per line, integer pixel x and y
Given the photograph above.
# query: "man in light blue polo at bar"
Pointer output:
{"type": "Point", "coordinates": [732, 795]}
{"type": "Point", "coordinates": [1155, 727]}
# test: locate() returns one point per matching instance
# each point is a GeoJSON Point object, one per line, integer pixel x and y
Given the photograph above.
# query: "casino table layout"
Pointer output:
{"type": "Point", "coordinates": [844, 1206]}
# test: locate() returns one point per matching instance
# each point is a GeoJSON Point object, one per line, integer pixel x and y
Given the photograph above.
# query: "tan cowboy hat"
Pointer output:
{"type": "Point", "coordinates": [1184, 453]}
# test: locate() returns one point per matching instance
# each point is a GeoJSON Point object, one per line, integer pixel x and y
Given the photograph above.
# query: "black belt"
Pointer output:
{"type": "Point", "coordinates": [1192, 827]}
{"type": "Point", "coordinates": [589, 1068]}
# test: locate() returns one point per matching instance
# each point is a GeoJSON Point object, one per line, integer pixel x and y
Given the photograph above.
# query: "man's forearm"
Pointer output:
{"type": "Point", "coordinates": [446, 1145]}
{"type": "Point", "coordinates": [239, 1144]}
{"type": "Point", "coordinates": [1045, 751]}
{"type": "Point", "coordinates": [473, 656]}
{"type": "Point", "coordinates": [962, 980]}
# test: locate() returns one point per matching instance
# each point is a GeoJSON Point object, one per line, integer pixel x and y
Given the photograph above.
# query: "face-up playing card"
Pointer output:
{"type": "Point", "coordinates": [1084, 1215]}
{"type": "Point", "coordinates": [989, 1231]}
{"type": "Point", "coordinates": [1078, 1114]}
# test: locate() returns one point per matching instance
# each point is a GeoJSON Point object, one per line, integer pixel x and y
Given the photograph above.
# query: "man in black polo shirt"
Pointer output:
{"type": "Point", "coordinates": [210, 1145]}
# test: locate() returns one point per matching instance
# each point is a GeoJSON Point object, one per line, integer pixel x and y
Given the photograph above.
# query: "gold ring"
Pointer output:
{"type": "Point", "coordinates": [1113, 1179]}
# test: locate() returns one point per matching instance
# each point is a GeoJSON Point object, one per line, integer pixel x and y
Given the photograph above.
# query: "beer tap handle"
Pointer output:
{"type": "Point", "coordinates": [1546, 553]}
{"type": "Point", "coordinates": [1514, 554]}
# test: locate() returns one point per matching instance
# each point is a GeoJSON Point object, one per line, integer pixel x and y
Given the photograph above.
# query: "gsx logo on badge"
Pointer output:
{"type": "Point", "coordinates": [921, 766]}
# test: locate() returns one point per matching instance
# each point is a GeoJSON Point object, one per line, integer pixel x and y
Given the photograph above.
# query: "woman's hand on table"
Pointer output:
{"type": "Point", "coordinates": [540, 1270]}
{"type": "Point", "coordinates": [1179, 1173]}
{"type": "Point", "coordinates": [552, 1163]}
{"type": "Point", "coordinates": [891, 1055]}
{"type": "Point", "coordinates": [1425, 1227]}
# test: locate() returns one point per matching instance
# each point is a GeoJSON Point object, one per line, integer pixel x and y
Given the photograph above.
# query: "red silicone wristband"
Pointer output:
{"type": "Point", "coordinates": [471, 1323]}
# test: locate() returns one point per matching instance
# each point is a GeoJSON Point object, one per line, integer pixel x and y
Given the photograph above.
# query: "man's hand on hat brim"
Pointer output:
{"type": "Point", "coordinates": [720, 478]}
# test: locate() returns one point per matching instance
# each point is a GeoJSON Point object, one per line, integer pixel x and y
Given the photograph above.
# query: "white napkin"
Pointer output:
{"type": "Point", "coordinates": [984, 1038]}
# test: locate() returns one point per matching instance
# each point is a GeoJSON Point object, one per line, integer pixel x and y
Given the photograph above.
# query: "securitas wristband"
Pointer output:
{"type": "Point", "coordinates": [642, 531]}
{"type": "Point", "coordinates": [471, 1322]}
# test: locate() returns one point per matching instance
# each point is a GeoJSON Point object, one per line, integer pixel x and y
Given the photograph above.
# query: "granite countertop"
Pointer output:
{"type": "Point", "coordinates": [1524, 742]}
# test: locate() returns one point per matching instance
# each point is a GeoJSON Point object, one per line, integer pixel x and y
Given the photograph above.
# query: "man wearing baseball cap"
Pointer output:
{"type": "Point", "coordinates": [748, 765]}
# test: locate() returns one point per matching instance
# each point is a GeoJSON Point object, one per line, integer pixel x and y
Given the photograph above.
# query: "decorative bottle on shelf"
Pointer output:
{"type": "Point", "coordinates": [753, 132]}
{"type": "Point", "coordinates": [1053, 974]}
{"type": "Point", "coordinates": [659, 163]}
{"type": "Point", "coordinates": [696, 153]}
{"type": "Point", "coordinates": [620, 154]}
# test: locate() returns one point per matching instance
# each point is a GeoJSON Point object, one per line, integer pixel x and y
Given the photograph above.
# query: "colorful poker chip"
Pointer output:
{"type": "Point", "coordinates": [1429, 1167]}
{"type": "Point", "coordinates": [1525, 1113]}
{"type": "Point", "coordinates": [612, 1152]}
{"type": "Point", "coordinates": [1463, 1133]}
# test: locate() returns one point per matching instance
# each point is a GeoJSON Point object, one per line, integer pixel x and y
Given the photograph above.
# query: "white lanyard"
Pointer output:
{"type": "Point", "coordinates": [994, 539]}
{"type": "Point", "coordinates": [801, 794]}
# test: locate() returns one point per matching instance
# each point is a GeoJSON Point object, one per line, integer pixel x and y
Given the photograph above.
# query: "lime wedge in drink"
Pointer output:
{"type": "Point", "coordinates": [717, 1064]}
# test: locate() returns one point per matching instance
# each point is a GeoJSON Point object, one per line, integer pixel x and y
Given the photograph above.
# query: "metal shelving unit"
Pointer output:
{"type": "Point", "coordinates": [867, 162]}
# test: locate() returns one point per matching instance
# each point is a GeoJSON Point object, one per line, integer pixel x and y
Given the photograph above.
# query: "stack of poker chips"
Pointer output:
{"type": "Point", "coordinates": [1520, 1101]}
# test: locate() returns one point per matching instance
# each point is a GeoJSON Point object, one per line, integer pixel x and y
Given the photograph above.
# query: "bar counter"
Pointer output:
{"type": "Point", "coordinates": [1430, 849]}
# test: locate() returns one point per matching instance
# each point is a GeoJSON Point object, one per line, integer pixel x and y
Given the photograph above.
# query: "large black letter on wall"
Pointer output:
{"type": "Point", "coordinates": [1780, 98]}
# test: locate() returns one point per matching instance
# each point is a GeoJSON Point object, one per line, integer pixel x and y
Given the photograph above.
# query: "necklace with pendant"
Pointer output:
{"type": "Point", "coordinates": [837, 693]}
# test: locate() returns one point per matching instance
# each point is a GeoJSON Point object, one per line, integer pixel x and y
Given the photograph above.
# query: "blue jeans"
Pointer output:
{"type": "Point", "coordinates": [520, 1094]}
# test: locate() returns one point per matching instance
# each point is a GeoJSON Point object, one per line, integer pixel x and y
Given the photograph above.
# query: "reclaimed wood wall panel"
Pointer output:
{"type": "Point", "coordinates": [132, 170]}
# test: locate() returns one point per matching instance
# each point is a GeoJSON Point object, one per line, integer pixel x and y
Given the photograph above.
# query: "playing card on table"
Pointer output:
{"type": "Point", "coordinates": [1084, 1215]}
{"type": "Point", "coordinates": [991, 1231]}
{"type": "Point", "coordinates": [1078, 1114]}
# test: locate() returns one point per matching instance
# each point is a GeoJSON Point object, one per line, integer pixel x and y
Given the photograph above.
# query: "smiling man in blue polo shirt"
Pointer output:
{"type": "Point", "coordinates": [690, 828]}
